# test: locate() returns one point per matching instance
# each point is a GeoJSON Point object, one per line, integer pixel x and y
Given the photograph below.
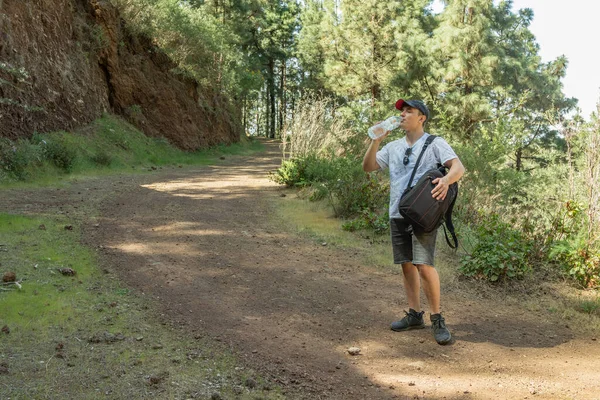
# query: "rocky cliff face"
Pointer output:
{"type": "Point", "coordinates": [65, 62]}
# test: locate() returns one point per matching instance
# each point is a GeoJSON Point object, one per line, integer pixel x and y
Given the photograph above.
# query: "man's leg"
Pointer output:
{"type": "Point", "coordinates": [402, 248]}
{"type": "Point", "coordinates": [412, 285]}
{"type": "Point", "coordinates": [431, 287]}
{"type": "Point", "coordinates": [424, 255]}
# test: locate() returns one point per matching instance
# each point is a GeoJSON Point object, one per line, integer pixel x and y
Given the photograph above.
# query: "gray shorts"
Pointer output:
{"type": "Point", "coordinates": [418, 248]}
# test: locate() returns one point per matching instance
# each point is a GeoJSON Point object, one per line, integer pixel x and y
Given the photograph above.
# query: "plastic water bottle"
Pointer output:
{"type": "Point", "coordinates": [377, 131]}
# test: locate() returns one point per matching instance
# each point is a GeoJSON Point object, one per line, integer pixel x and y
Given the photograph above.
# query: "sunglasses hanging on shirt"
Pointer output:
{"type": "Point", "coordinates": [406, 155]}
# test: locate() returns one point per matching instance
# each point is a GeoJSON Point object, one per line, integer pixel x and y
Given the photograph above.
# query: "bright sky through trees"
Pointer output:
{"type": "Point", "coordinates": [569, 28]}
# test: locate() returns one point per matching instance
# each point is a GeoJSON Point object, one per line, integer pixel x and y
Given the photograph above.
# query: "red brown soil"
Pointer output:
{"type": "Point", "coordinates": [202, 243]}
{"type": "Point", "coordinates": [66, 62]}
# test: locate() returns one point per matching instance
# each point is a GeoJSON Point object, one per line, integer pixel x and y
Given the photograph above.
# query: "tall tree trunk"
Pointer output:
{"type": "Point", "coordinates": [293, 105]}
{"type": "Point", "coordinates": [375, 93]}
{"type": "Point", "coordinates": [375, 86]}
{"type": "Point", "coordinates": [244, 113]}
{"type": "Point", "coordinates": [271, 98]}
{"type": "Point", "coordinates": [519, 157]}
{"type": "Point", "coordinates": [470, 12]}
{"type": "Point", "coordinates": [258, 116]}
{"type": "Point", "coordinates": [282, 98]}
{"type": "Point", "coordinates": [267, 108]}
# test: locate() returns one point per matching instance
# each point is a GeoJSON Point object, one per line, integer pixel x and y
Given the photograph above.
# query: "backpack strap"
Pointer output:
{"type": "Point", "coordinates": [430, 139]}
{"type": "Point", "coordinates": [450, 225]}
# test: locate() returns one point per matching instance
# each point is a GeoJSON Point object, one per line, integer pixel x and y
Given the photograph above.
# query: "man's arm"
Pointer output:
{"type": "Point", "coordinates": [456, 172]}
{"type": "Point", "coordinates": [457, 169]}
{"type": "Point", "coordinates": [370, 160]}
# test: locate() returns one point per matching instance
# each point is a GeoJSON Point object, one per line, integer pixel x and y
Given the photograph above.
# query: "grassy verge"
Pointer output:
{"type": "Point", "coordinates": [109, 145]}
{"type": "Point", "coordinates": [316, 220]}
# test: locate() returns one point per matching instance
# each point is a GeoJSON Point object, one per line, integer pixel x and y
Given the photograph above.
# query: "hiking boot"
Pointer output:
{"type": "Point", "coordinates": [440, 332]}
{"type": "Point", "coordinates": [412, 320]}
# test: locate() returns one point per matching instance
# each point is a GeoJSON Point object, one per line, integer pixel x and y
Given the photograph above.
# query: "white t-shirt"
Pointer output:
{"type": "Point", "coordinates": [391, 157]}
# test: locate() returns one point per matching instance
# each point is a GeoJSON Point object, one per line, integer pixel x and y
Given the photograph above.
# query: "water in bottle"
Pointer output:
{"type": "Point", "coordinates": [376, 131]}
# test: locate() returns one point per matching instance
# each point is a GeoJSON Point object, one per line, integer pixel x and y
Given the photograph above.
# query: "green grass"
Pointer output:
{"type": "Point", "coordinates": [109, 145]}
{"type": "Point", "coordinates": [589, 306]}
{"type": "Point", "coordinates": [36, 256]}
{"type": "Point", "coordinates": [57, 343]}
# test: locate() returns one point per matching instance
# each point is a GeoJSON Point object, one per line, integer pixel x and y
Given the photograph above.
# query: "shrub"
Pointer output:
{"type": "Point", "coordinates": [17, 158]}
{"type": "Point", "coordinates": [353, 191]}
{"type": "Point", "coordinates": [291, 173]}
{"type": "Point", "coordinates": [367, 219]}
{"type": "Point", "coordinates": [591, 307]}
{"type": "Point", "coordinates": [318, 192]}
{"type": "Point", "coordinates": [101, 158]}
{"type": "Point", "coordinates": [59, 154]}
{"type": "Point", "coordinates": [318, 149]}
{"type": "Point", "coordinates": [501, 252]}
{"type": "Point", "coordinates": [11, 161]}
{"type": "Point", "coordinates": [316, 129]}
{"type": "Point", "coordinates": [578, 259]}
{"type": "Point", "coordinates": [309, 170]}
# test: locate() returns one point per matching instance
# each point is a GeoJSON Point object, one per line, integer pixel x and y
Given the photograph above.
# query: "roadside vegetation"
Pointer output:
{"type": "Point", "coordinates": [541, 223]}
{"type": "Point", "coordinates": [108, 145]}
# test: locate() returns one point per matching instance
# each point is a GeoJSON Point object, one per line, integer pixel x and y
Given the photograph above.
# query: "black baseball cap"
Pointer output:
{"type": "Point", "coordinates": [418, 104]}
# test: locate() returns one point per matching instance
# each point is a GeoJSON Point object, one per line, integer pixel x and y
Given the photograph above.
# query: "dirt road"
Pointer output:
{"type": "Point", "coordinates": [202, 243]}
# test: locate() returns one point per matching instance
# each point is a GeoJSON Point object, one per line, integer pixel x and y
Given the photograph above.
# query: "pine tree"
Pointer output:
{"type": "Point", "coordinates": [490, 73]}
{"type": "Point", "coordinates": [465, 46]}
{"type": "Point", "coordinates": [359, 42]}
{"type": "Point", "coordinates": [309, 46]}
